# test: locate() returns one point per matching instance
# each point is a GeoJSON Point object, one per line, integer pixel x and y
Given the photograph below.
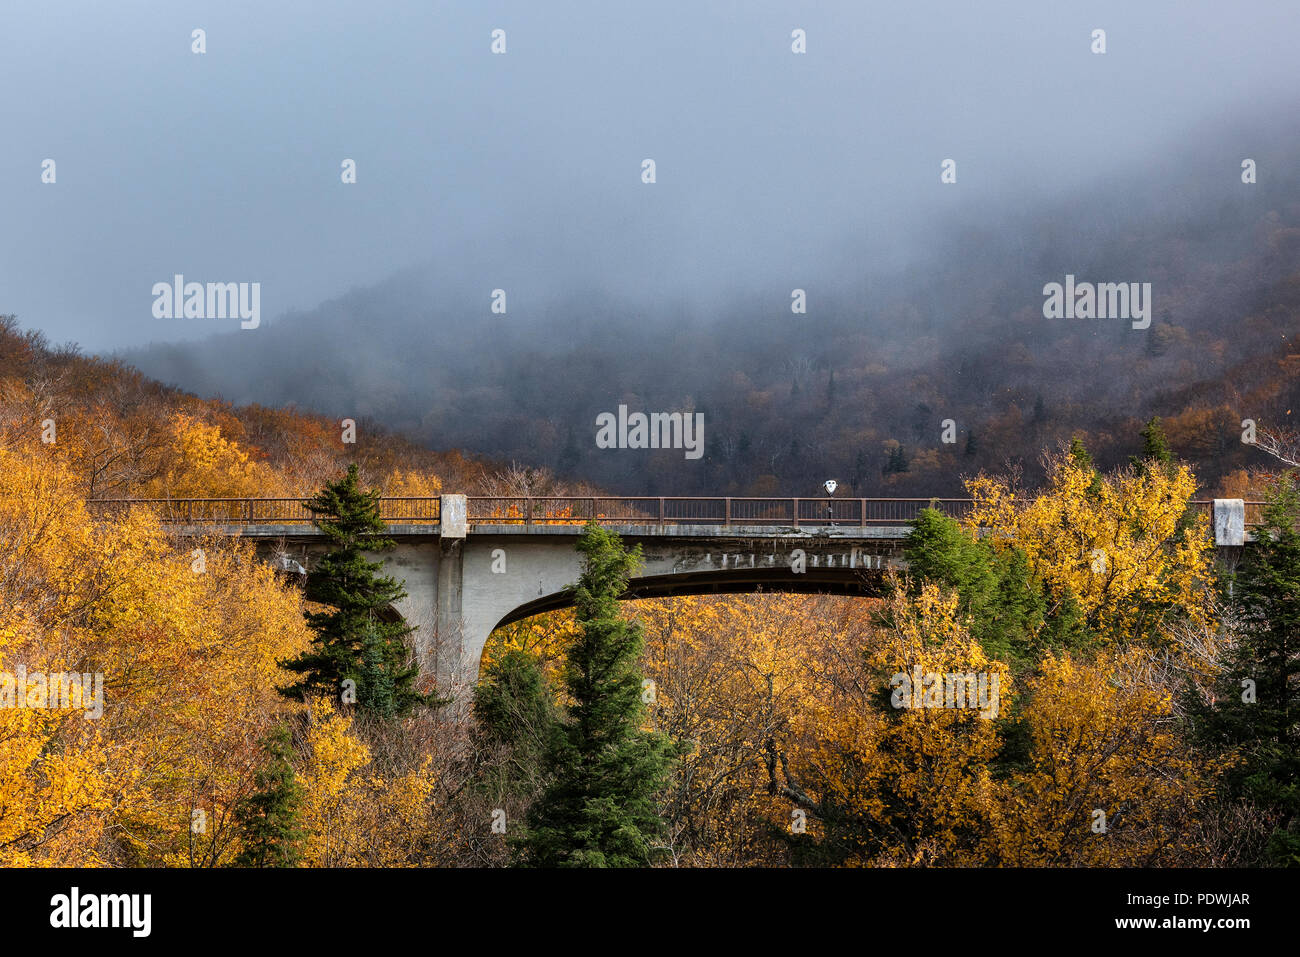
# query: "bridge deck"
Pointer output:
{"type": "Point", "coordinates": [408, 532]}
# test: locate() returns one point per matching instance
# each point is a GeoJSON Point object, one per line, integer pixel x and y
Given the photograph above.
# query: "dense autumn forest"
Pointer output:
{"type": "Point", "coordinates": [858, 388]}
{"type": "Point", "coordinates": [1097, 605]}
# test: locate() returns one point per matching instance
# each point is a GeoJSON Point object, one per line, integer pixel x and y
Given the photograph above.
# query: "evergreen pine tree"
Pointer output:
{"type": "Point", "coordinates": [352, 640]}
{"type": "Point", "coordinates": [377, 682]}
{"type": "Point", "coordinates": [1155, 447]}
{"type": "Point", "coordinates": [1266, 731]}
{"type": "Point", "coordinates": [1154, 444]}
{"type": "Point", "coordinates": [1012, 613]}
{"type": "Point", "coordinates": [267, 819]}
{"type": "Point", "coordinates": [1079, 454]}
{"type": "Point", "coordinates": [599, 809]}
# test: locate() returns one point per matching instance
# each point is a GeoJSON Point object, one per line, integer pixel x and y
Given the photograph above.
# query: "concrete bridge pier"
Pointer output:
{"type": "Point", "coordinates": [444, 651]}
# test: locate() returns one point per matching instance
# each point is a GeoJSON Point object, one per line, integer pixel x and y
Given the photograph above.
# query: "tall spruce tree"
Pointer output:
{"type": "Point", "coordinates": [599, 809]}
{"type": "Point", "coordinates": [353, 641]}
{"type": "Point", "coordinates": [267, 819]}
{"type": "Point", "coordinates": [1257, 711]}
{"type": "Point", "coordinates": [1154, 443]}
{"type": "Point", "coordinates": [1155, 448]}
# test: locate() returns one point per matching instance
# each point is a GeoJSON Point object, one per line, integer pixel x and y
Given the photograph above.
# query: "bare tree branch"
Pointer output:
{"type": "Point", "coordinates": [1282, 444]}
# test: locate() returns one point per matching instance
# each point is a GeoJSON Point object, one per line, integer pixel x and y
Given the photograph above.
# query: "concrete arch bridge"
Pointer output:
{"type": "Point", "coordinates": [471, 564]}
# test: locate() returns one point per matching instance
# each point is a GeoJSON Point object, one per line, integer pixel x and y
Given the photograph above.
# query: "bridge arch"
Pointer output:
{"type": "Point", "coordinates": [866, 584]}
{"type": "Point", "coordinates": [495, 579]}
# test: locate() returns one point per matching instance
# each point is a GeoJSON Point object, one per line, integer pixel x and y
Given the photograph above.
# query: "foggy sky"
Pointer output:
{"type": "Point", "coordinates": [522, 171]}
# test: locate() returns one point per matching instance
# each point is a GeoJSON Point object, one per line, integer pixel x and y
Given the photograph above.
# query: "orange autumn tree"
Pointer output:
{"type": "Point", "coordinates": [200, 462]}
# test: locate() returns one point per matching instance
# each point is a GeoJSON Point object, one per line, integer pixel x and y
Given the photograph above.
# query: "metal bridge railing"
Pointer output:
{"type": "Point", "coordinates": [261, 511]}
{"type": "Point", "coordinates": [577, 510]}
{"type": "Point", "coordinates": [559, 510]}
{"type": "Point", "coordinates": [705, 510]}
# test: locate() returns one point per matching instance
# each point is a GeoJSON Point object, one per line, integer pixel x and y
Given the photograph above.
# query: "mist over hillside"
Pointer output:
{"type": "Point", "coordinates": [858, 387]}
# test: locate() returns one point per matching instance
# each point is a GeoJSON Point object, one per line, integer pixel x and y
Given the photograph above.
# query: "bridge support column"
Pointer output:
{"type": "Point", "coordinates": [448, 647]}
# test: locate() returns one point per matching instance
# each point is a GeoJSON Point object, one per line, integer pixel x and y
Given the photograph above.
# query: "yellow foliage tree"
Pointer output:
{"type": "Point", "coordinates": [183, 642]}
{"type": "Point", "coordinates": [546, 637]}
{"type": "Point", "coordinates": [202, 463]}
{"type": "Point", "coordinates": [354, 815]}
{"type": "Point", "coordinates": [333, 754]}
{"type": "Point", "coordinates": [732, 676]}
{"type": "Point", "coordinates": [1111, 783]}
{"type": "Point", "coordinates": [1119, 544]}
{"type": "Point", "coordinates": [409, 483]}
{"type": "Point", "coordinates": [896, 771]}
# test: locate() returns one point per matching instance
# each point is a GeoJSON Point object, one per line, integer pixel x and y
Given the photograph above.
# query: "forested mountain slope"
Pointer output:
{"type": "Point", "coordinates": [859, 387]}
